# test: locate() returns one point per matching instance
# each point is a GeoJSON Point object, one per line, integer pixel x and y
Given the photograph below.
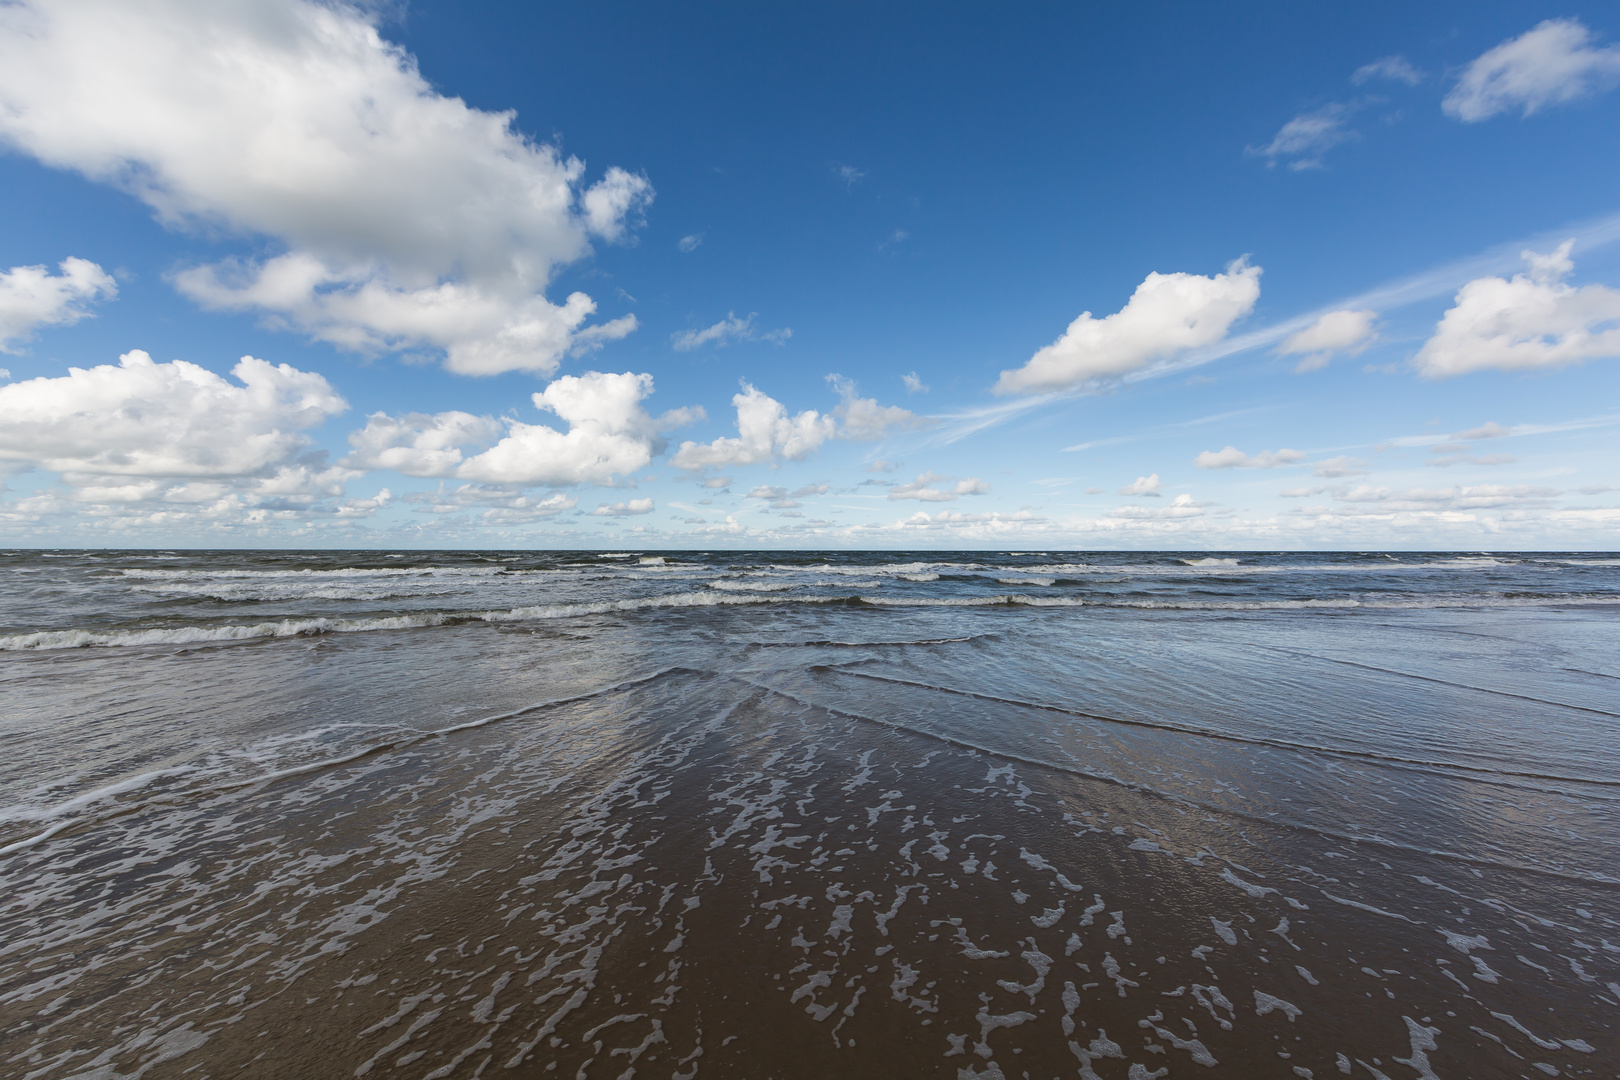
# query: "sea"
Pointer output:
{"type": "Point", "coordinates": [1117, 815]}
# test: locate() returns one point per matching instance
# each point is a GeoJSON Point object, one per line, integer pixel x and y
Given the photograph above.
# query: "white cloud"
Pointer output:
{"type": "Point", "coordinates": [406, 218]}
{"type": "Point", "coordinates": [1348, 332]}
{"type": "Point", "coordinates": [1447, 460]}
{"type": "Point", "coordinates": [779, 497]}
{"type": "Point", "coordinates": [1394, 68]}
{"type": "Point", "coordinates": [1233, 458]}
{"type": "Point", "coordinates": [1166, 315]}
{"type": "Point", "coordinates": [690, 243]}
{"type": "Point", "coordinates": [419, 444]}
{"type": "Point", "coordinates": [863, 419]}
{"type": "Point", "coordinates": [1182, 506]}
{"type": "Point", "coordinates": [924, 488]}
{"type": "Point", "coordinates": [765, 433]}
{"type": "Point", "coordinates": [1552, 64]}
{"type": "Point", "coordinates": [1142, 485]}
{"type": "Point", "coordinates": [1308, 136]}
{"type": "Point", "coordinates": [914, 385]}
{"type": "Point", "coordinates": [970, 526]}
{"type": "Point", "coordinates": [1336, 467]}
{"type": "Point", "coordinates": [1488, 430]}
{"type": "Point", "coordinates": [609, 435]}
{"type": "Point", "coordinates": [1369, 499]}
{"type": "Point", "coordinates": [727, 330]}
{"type": "Point", "coordinates": [848, 175]}
{"type": "Point", "coordinates": [624, 509]}
{"type": "Point", "coordinates": [1532, 321]}
{"type": "Point", "coordinates": [502, 505]}
{"type": "Point", "coordinates": [173, 420]}
{"type": "Point", "coordinates": [32, 296]}
{"type": "Point", "coordinates": [810, 489]}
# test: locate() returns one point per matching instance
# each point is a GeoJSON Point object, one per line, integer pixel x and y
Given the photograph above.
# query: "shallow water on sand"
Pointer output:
{"type": "Point", "coordinates": [1048, 814]}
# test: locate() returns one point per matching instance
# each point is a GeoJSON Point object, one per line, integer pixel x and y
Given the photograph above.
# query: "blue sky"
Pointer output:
{"type": "Point", "coordinates": [1301, 234]}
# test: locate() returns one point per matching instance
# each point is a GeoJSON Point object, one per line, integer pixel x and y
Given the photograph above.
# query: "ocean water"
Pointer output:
{"type": "Point", "coordinates": [1034, 814]}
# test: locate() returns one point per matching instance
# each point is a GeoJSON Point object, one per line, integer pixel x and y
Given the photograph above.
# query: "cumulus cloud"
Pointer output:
{"type": "Point", "coordinates": [928, 487]}
{"type": "Point", "coordinates": [1166, 315]}
{"type": "Point", "coordinates": [725, 331]}
{"type": "Point", "coordinates": [690, 243]}
{"type": "Point", "coordinates": [1554, 63]}
{"type": "Point", "coordinates": [609, 435]}
{"type": "Point", "coordinates": [848, 175]}
{"type": "Point", "coordinates": [863, 419]}
{"type": "Point", "coordinates": [1347, 332]}
{"type": "Point", "coordinates": [1394, 68]}
{"type": "Point", "coordinates": [914, 385]}
{"type": "Point", "coordinates": [765, 433]}
{"type": "Point", "coordinates": [1233, 458]}
{"type": "Point", "coordinates": [1308, 136]}
{"type": "Point", "coordinates": [405, 218]}
{"type": "Point", "coordinates": [145, 419]}
{"type": "Point", "coordinates": [419, 444]}
{"type": "Point", "coordinates": [1532, 321]}
{"type": "Point", "coordinates": [624, 509]}
{"type": "Point", "coordinates": [32, 296]}
{"type": "Point", "coordinates": [1142, 485]}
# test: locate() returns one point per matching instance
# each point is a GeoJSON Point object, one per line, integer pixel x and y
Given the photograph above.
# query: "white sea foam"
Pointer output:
{"type": "Point", "coordinates": [1026, 580]}
{"type": "Point", "coordinates": [35, 812]}
{"type": "Point", "coordinates": [900, 569]}
{"type": "Point", "coordinates": [726, 593]}
{"type": "Point", "coordinates": [243, 593]}
{"type": "Point", "coordinates": [1003, 599]}
{"type": "Point", "coordinates": [340, 572]}
{"type": "Point", "coordinates": [198, 635]}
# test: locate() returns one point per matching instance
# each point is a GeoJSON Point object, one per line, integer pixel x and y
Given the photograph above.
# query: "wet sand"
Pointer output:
{"type": "Point", "coordinates": [776, 873]}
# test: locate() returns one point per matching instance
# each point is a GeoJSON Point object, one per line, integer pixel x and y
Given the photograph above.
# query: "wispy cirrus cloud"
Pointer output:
{"type": "Point", "coordinates": [727, 330]}
{"type": "Point", "coordinates": [1554, 63]}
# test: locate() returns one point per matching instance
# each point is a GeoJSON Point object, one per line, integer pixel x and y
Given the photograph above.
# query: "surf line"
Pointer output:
{"type": "Point", "coordinates": [403, 743]}
{"type": "Point", "coordinates": [1172, 797]}
{"type": "Point", "coordinates": [1440, 768]}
